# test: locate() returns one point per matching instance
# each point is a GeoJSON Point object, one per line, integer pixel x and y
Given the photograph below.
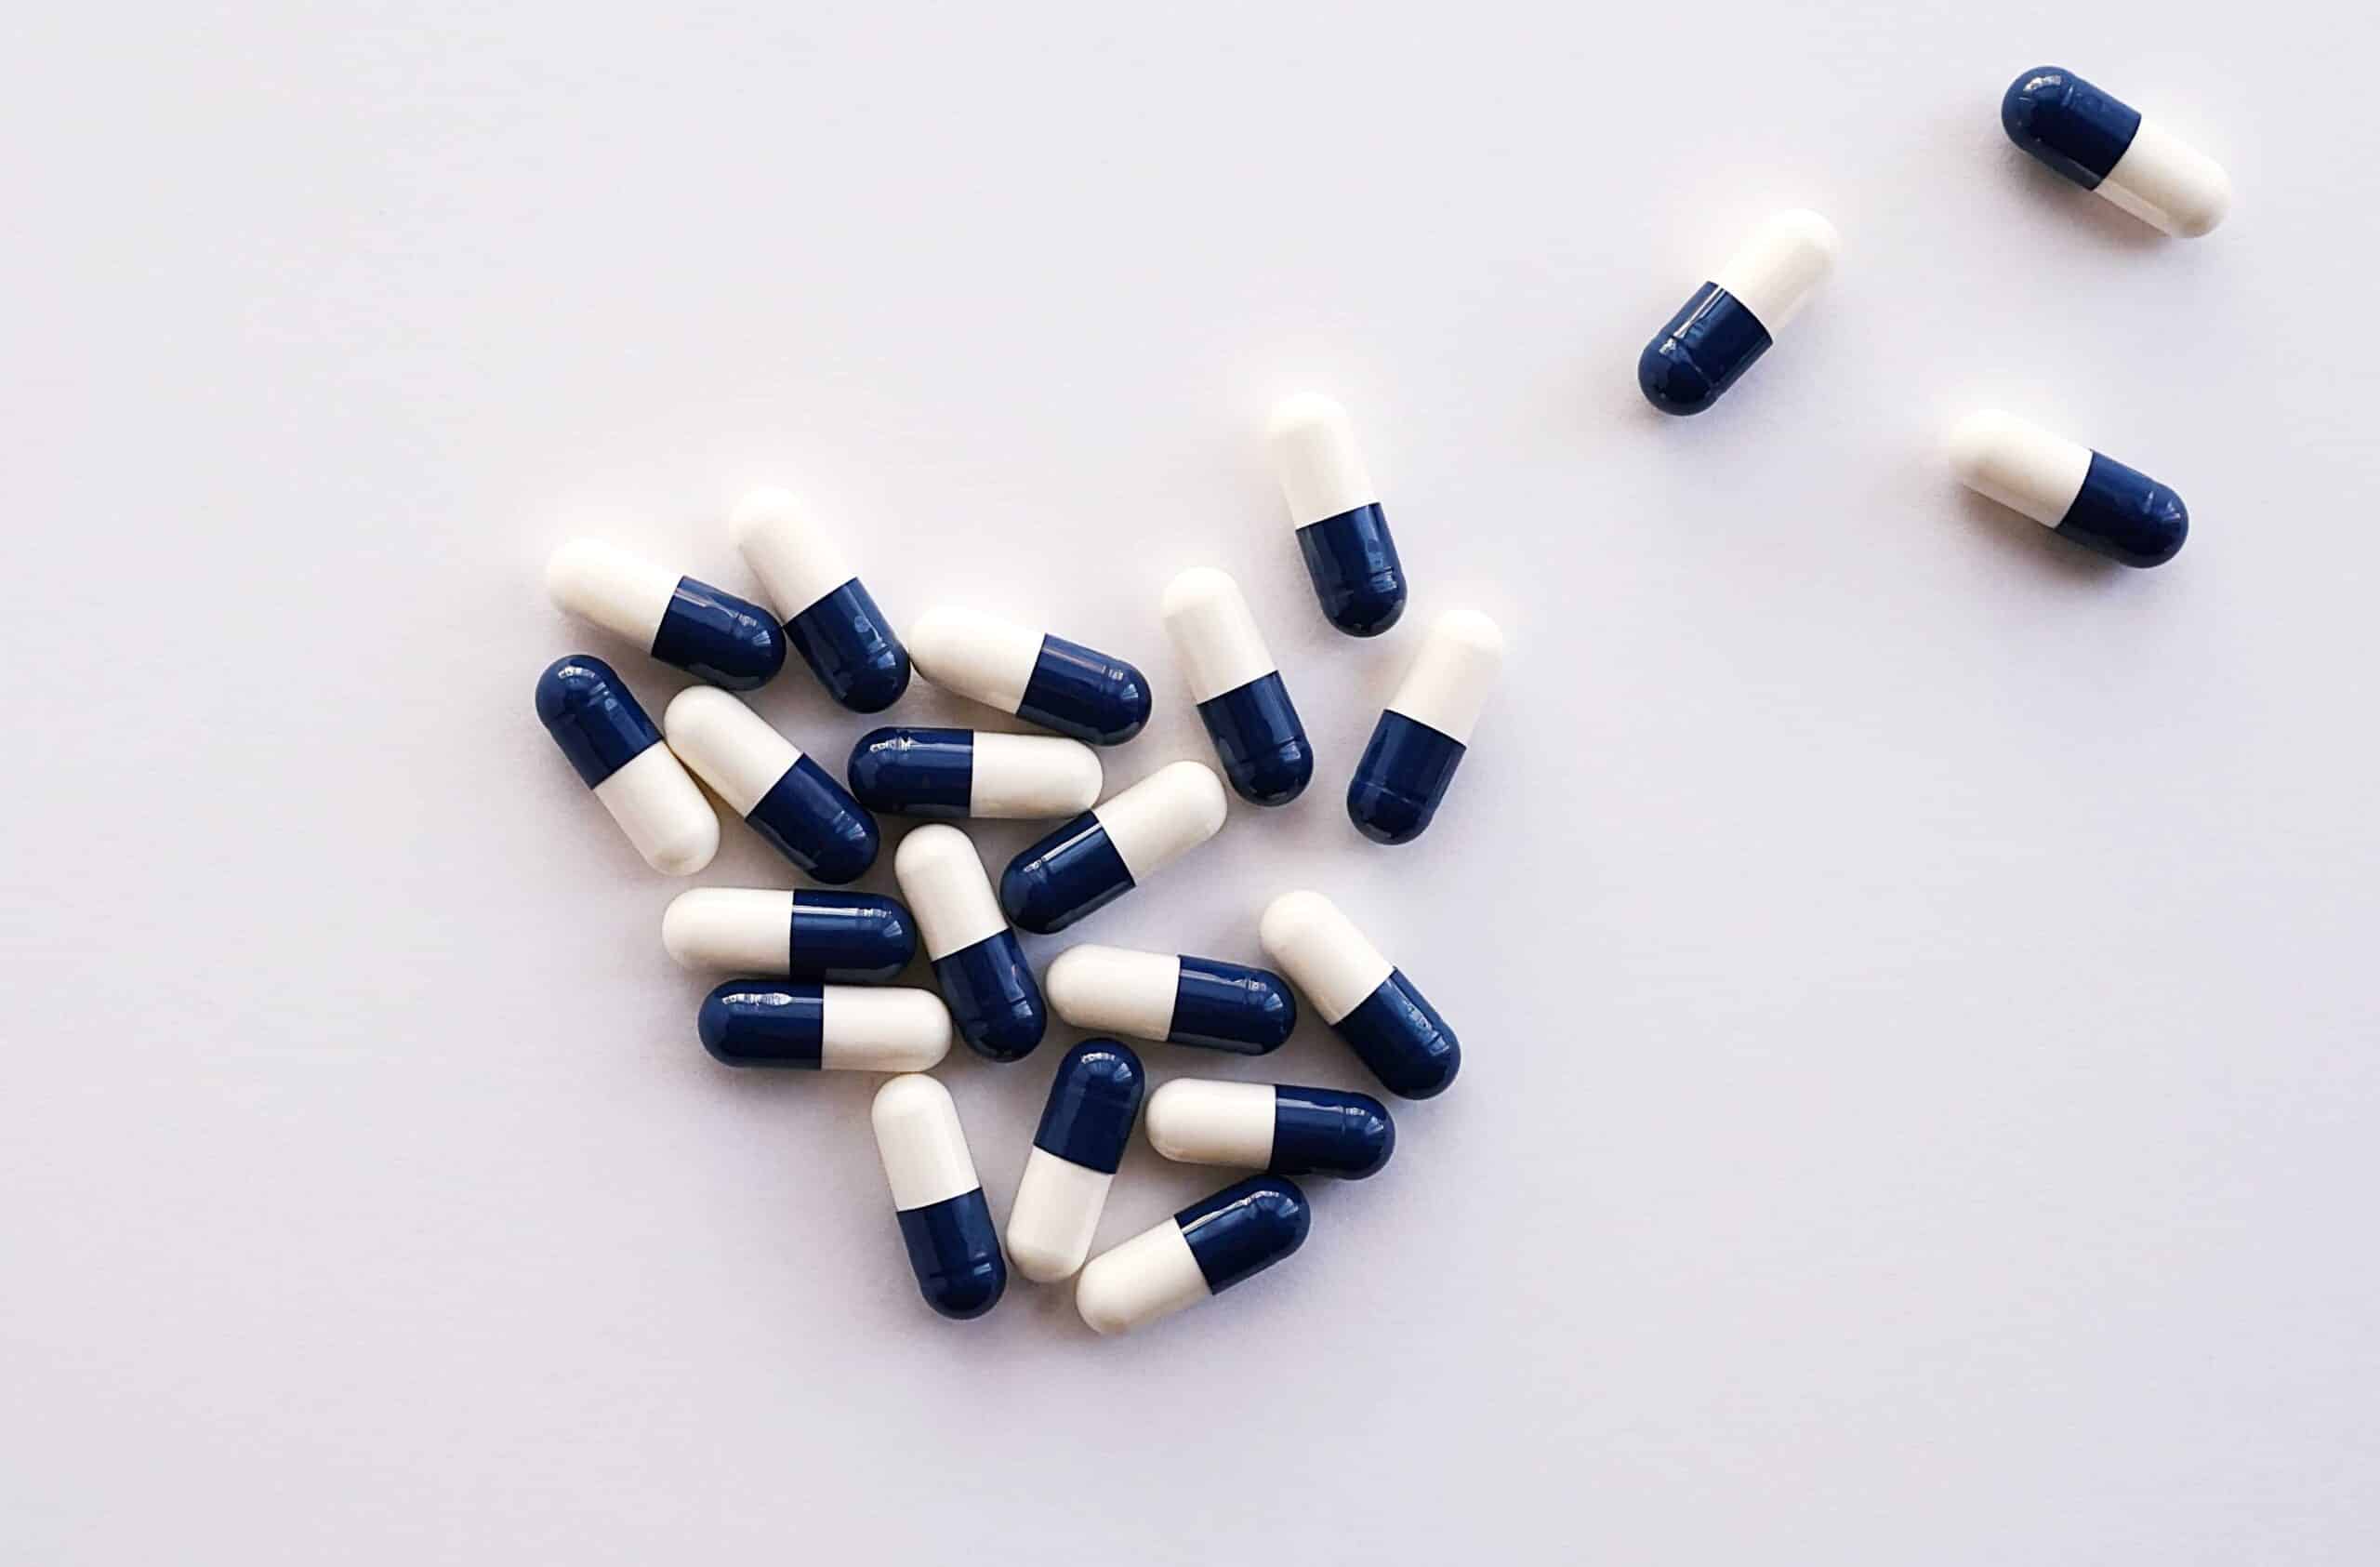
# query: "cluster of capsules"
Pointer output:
{"type": "Point", "coordinates": [2095, 140]}
{"type": "Point", "coordinates": [814, 968]}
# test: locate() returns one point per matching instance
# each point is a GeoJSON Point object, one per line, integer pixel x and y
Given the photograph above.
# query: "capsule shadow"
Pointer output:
{"type": "Point", "coordinates": [2020, 535]}
{"type": "Point", "coordinates": [2074, 203]}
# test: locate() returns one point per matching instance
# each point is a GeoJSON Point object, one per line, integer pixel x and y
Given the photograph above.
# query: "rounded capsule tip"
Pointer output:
{"type": "Point", "coordinates": [1197, 588]}
{"type": "Point", "coordinates": [1305, 413]}
{"type": "Point", "coordinates": [758, 509]}
{"type": "Point", "coordinates": [2021, 105]}
{"type": "Point", "coordinates": [1975, 439]}
{"type": "Point", "coordinates": [1288, 917]}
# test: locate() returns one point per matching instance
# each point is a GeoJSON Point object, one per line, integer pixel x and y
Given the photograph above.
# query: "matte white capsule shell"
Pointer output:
{"type": "Point", "coordinates": [1114, 989]}
{"type": "Point", "coordinates": [798, 561]}
{"type": "Point", "coordinates": [979, 656]}
{"type": "Point", "coordinates": [1450, 677]}
{"type": "Point", "coordinates": [1020, 777]}
{"type": "Point", "coordinates": [2166, 182]}
{"type": "Point", "coordinates": [605, 586]}
{"type": "Point", "coordinates": [881, 1028]}
{"type": "Point", "coordinates": [1321, 467]}
{"type": "Point", "coordinates": [1054, 1217]}
{"type": "Point", "coordinates": [1322, 952]}
{"type": "Point", "coordinates": [663, 813]}
{"type": "Point", "coordinates": [944, 883]}
{"type": "Point", "coordinates": [2019, 464]}
{"type": "Point", "coordinates": [1214, 633]}
{"type": "Point", "coordinates": [729, 746]}
{"type": "Point", "coordinates": [1164, 815]}
{"type": "Point", "coordinates": [1150, 1276]}
{"type": "Point", "coordinates": [1208, 1120]}
{"type": "Point", "coordinates": [923, 1147]}
{"type": "Point", "coordinates": [743, 930]}
{"type": "Point", "coordinates": [1781, 266]}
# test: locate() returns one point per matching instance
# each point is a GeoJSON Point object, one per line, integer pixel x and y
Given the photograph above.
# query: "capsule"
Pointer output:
{"type": "Point", "coordinates": [945, 1224]}
{"type": "Point", "coordinates": [715, 635]}
{"type": "Point", "coordinates": [975, 956]}
{"type": "Point", "coordinates": [781, 794]}
{"type": "Point", "coordinates": [1042, 679]}
{"type": "Point", "coordinates": [2070, 489]}
{"type": "Point", "coordinates": [844, 938]}
{"type": "Point", "coordinates": [1107, 851]}
{"type": "Point", "coordinates": [1237, 687]}
{"type": "Point", "coordinates": [595, 719]}
{"type": "Point", "coordinates": [1424, 732]}
{"type": "Point", "coordinates": [2102, 144]}
{"type": "Point", "coordinates": [1088, 1119]}
{"type": "Point", "coordinates": [1730, 321]}
{"type": "Point", "coordinates": [1342, 533]}
{"type": "Point", "coordinates": [957, 773]}
{"type": "Point", "coordinates": [1201, 1251]}
{"type": "Point", "coordinates": [1275, 1127]}
{"type": "Point", "coordinates": [824, 1027]}
{"type": "Point", "coordinates": [1201, 1002]}
{"type": "Point", "coordinates": [1365, 999]}
{"type": "Point", "coordinates": [829, 618]}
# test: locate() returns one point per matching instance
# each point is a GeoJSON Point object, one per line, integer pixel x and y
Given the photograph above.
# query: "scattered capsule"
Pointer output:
{"type": "Point", "coordinates": [1730, 321]}
{"type": "Point", "coordinates": [1425, 729]}
{"type": "Point", "coordinates": [829, 617]}
{"type": "Point", "coordinates": [1107, 851]}
{"type": "Point", "coordinates": [2102, 144]}
{"type": "Point", "coordinates": [1042, 679]}
{"type": "Point", "coordinates": [594, 717]}
{"type": "Point", "coordinates": [1361, 995]}
{"type": "Point", "coordinates": [973, 773]}
{"type": "Point", "coordinates": [1237, 687]}
{"type": "Point", "coordinates": [975, 956]}
{"type": "Point", "coordinates": [783, 795]}
{"type": "Point", "coordinates": [1275, 1127]}
{"type": "Point", "coordinates": [725, 640]}
{"type": "Point", "coordinates": [1088, 1119]}
{"type": "Point", "coordinates": [1189, 1001]}
{"type": "Point", "coordinates": [824, 1027]}
{"type": "Point", "coordinates": [1342, 533]}
{"type": "Point", "coordinates": [1201, 1251]}
{"type": "Point", "coordinates": [845, 938]}
{"type": "Point", "coordinates": [2070, 489]}
{"type": "Point", "coordinates": [945, 1224]}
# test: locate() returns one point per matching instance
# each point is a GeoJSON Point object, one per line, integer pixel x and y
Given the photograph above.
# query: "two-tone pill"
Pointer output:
{"type": "Point", "coordinates": [728, 640]}
{"type": "Point", "coordinates": [2073, 491]}
{"type": "Point", "coordinates": [1732, 319]}
{"type": "Point", "coordinates": [1216, 1243]}
{"type": "Point", "coordinates": [845, 938]}
{"type": "Point", "coordinates": [1278, 1127]}
{"type": "Point", "coordinates": [1043, 679]}
{"type": "Point", "coordinates": [782, 794]}
{"type": "Point", "coordinates": [2104, 144]}
{"type": "Point", "coordinates": [1342, 531]}
{"type": "Point", "coordinates": [973, 773]}
{"type": "Point", "coordinates": [945, 1224]}
{"type": "Point", "coordinates": [1107, 851]}
{"type": "Point", "coordinates": [1367, 1000]}
{"type": "Point", "coordinates": [829, 617]}
{"type": "Point", "coordinates": [617, 750]}
{"type": "Point", "coordinates": [975, 956]}
{"type": "Point", "coordinates": [1085, 1123]}
{"type": "Point", "coordinates": [1238, 686]}
{"type": "Point", "coordinates": [1201, 1002]}
{"type": "Point", "coordinates": [1426, 730]}
{"type": "Point", "coordinates": [824, 1027]}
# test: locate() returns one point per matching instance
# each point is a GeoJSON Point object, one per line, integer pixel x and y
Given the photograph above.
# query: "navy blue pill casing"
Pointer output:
{"type": "Point", "coordinates": [851, 649]}
{"type": "Point", "coordinates": [1401, 779]}
{"type": "Point", "coordinates": [731, 643]}
{"type": "Point", "coordinates": [1331, 1131]}
{"type": "Point", "coordinates": [1400, 1036]}
{"type": "Point", "coordinates": [2067, 124]}
{"type": "Point", "coordinates": [848, 939]}
{"type": "Point", "coordinates": [993, 997]}
{"type": "Point", "coordinates": [1245, 1229]}
{"type": "Point", "coordinates": [915, 772]}
{"type": "Point", "coordinates": [1734, 317]}
{"type": "Point", "coordinates": [593, 716]}
{"type": "Point", "coordinates": [1232, 1006]}
{"type": "Point", "coordinates": [1352, 561]}
{"type": "Point", "coordinates": [1095, 1099]}
{"type": "Point", "coordinates": [1081, 692]}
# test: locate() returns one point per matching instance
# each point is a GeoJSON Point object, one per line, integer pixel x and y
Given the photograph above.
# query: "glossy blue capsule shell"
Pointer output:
{"type": "Point", "coordinates": [811, 821]}
{"type": "Point", "coordinates": [593, 716]}
{"type": "Point", "coordinates": [1245, 1229]}
{"type": "Point", "coordinates": [848, 939]}
{"type": "Point", "coordinates": [1400, 1036]}
{"type": "Point", "coordinates": [915, 772]}
{"type": "Point", "coordinates": [2067, 124]}
{"type": "Point", "coordinates": [1401, 779]}
{"type": "Point", "coordinates": [1261, 741]}
{"type": "Point", "coordinates": [954, 1251]}
{"type": "Point", "coordinates": [1079, 691]}
{"type": "Point", "coordinates": [1073, 872]}
{"type": "Point", "coordinates": [1231, 1006]}
{"type": "Point", "coordinates": [2125, 515]}
{"type": "Point", "coordinates": [851, 647]}
{"type": "Point", "coordinates": [729, 642]}
{"type": "Point", "coordinates": [1704, 350]}
{"type": "Point", "coordinates": [762, 1023]}
{"type": "Point", "coordinates": [1093, 1101]}
{"type": "Point", "coordinates": [994, 999]}
{"type": "Point", "coordinates": [1325, 1131]}
{"type": "Point", "coordinates": [1357, 579]}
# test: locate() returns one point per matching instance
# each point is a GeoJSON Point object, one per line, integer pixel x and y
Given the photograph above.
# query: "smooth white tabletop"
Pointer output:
{"type": "Point", "coordinates": [1916, 982]}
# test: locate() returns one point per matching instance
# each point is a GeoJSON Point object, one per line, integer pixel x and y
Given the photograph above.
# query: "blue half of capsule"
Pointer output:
{"type": "Point", "coordinates": [1401, 779]}
{"type": "Point", "coordinates": [764, 1023]}
{"type": "Point", "coordinates": [1261, 740]}
{"type": "Point", "coordinates": [1324, 1131]}
{"type": "Point", "coordinates": [1078, 691]}
{"type": "Point", "coordinates": [849, 646]}
{"type": "Point", "coordinates": [1351, 558]}
{"type": "Point", "coordinates": [992, 998]}
{"type": "Point", "coordinates": [1231, 1006]}
{"type": "Point", "coordinates": [915, 772]}
{"type": "Point", "coordinates": [593, 716]}
{"type": "Point", "coordinates": [2067, 124]}
{"type": "Point", "coordinates": [1073, 872]}
{"type": "Point", "coordinates": [729, 642]}
{"type": "Point", "coordinates": [847, 938]}
{"type": "Point", "coordinates": [956, 1253]}
{"type": "Point", "coordinates": [1093, 1101]}
{"type": "Point", "coordinates": [1245, 1229]}
{"type": "Point", "coordinates": [813, 821]}
{"type": "Point", "coordinates": [1702, 352]}
{"type": "Point", "coordinates": [2125, 515]}
{"type": "Point", "coordinates": [1396, 1032]}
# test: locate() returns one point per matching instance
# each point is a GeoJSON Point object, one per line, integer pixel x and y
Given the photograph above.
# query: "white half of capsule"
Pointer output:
{"type": "Point", "coordinates": [1322, 952]}
{"type": "Point", "coordinates": [744, 930]}
{"type": "Point", "coordinates": [1214, 633]}
{"type": "Point", "coordinates": [1020, 777]}
{"type": "Point", "coordinates": [1115, 990]}
{"type": "Point", "coordinates": [2019, 464]}
{"type": "Point", "coordinates": [1163, 817]}
{"type": "Point", "coordinates": [663, 813]}
{"type": "Point", "coordinates": [606, 586]}
{"type": "Point", "coordinates": [1054, 1217]}
{"type": "Point", "coordinates": [1208, 1120]}
{"type": "Point", "coordinates": [729, 746]}
{"type": "Point", "coordinates": [881, 1028]}
{"type": "Point", "coordinates": [1451, 676]}
{"type": "Point", "coordinates": [944, 883]}
{"type": "Point", "coordinates": [2167, 183]}
{"type": "Point", "coordinates": [1321, 467]}
{"type": "Point", "coordinates": [1150, 1276]}
{"type": "Point", "coordinates": [798, 561]}
{"type": "Point", "coordinates": [979, 656]}
{"type": "Point", "coordinates": [923, 1147]}
{"type": "Point", "coordinates": [1777, 270]}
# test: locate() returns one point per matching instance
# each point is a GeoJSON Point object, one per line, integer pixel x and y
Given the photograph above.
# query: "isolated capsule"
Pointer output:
{"type": "Point", "coordinates": [824, 1027]}
{"type": "Point", "coordinates": [1342, 533]}
{"type": "Point", "coordinates": [1112, 848]}
{"type": "Point", "coordinates": [1042, 679]}
{"type": "Point", "coordinates": [845, 938]}
{"type": "Point", "coordinates": [975, 956]}
{"type": "Point", "coordinates": [1425, 729]}
{"type": "Point", "coordinates": [2070, 489]}
{"type": "Point", "coordinates": [595, 719]}
{"type": "Point", "coordinates": [1237, 687]}
{"type": "Point", "coordinates": [945, 1224]}
{"type": "Point", "coordinates": [829, 618]}
{"type": "Point", "coordinates": [783, 795]}
{"type": "Point", "coordinates": [1201, 1251]}
{"type": "Point", "coordinates": [2103, 144]}
{"type": "Point", "coordinates": [725, 640]}
{"type": "Point", "coordinates": [1731, 320]}
{"type": "Point", "coordinates": [1201, 1002]}
{"type": "Point", "coordinates": [1361, 995]}
{"type": "Point", "coordinates": [1276, 1127]}
{"type": "Point", "coordinates": [955, 773]}
{"type": "Point", "coordinates": [1087, 1120]}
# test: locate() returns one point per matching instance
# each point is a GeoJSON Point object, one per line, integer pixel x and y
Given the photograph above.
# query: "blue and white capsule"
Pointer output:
{"type": "Point", "coordinates": [2068, 489]}
{"type": "Point", "coordinates": [1238, 686]}
{"type": "Point", "coordinates": [964, 773]}
{"type": "Point", "coordinates": [2104, 144]}
{"type": "Point", "coordinates": [1042, 679]}
{"type": "Point", "coordinates": [830, 617]}
{"type": "Point", "coordinates": [1342, 533]}
{"type": "Point", "coordinates": [600, 726]}
{"type": "Point", "coordinates": [1426, 730]}
{"type": "Point", "coordinates": [1107, 851]}
{"type": "Point", "coordinates": [1093, 1101]}
{"type": "Point", "coordinates": [1276, 1127]}
{"type": "Point", "coordinates": [843, 938]}
{"type": "Point", "coordinates": [692, 625]}
{"type": "Point", "coordinates": [781, 794]}
{"type": "Point", "coordinates": [1197, 1253]}
{"type": "Point", "coordinates": [1731, 320]}
{"type": "Point", "coordinates": [975, 956]}
{"type": "Point", "coordinates": [824, 1027]}
{"type": "Point", "coordinates": [945, 1224]}
{"type": "Point", "coordinates": [1199, 1002]}
{"type": "Point", "coordinates": [1391, 1027]}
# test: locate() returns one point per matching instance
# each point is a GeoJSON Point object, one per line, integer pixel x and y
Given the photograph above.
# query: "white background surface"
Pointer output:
{"type": "Point", "coordinates": [1916, 983]}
